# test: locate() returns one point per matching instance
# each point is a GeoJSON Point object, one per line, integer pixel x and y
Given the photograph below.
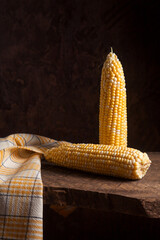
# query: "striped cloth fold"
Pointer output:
{"type": "Point", "coordinates": [21, 188]}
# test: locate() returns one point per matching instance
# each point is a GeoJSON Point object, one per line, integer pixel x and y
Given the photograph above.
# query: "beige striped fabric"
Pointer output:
{"type": "Point", "coordinates": [21, 188]}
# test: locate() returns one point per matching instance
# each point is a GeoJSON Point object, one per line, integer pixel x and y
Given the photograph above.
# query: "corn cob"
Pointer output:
{"type": "Point", "coordinates": [102, 159]}
{"type": "Point", "coordinates": [112, 112]}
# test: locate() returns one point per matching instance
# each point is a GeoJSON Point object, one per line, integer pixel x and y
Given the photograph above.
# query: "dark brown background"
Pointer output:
{"type": "Point", "coordinates": [51, 55]}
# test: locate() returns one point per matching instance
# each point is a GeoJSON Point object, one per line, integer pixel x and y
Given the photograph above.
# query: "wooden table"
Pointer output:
{"type": "Point", "coordinates": [65, 187]}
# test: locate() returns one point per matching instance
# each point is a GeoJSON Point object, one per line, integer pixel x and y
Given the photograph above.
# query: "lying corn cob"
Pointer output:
{"type": "Point", "coordinates": [113, 112]}
{"type": "Point", "coordinates": [103, 159]}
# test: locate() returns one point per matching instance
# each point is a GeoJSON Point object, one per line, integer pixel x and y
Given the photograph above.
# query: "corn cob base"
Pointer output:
{"type": "Point", "coordinates": [102, 159]}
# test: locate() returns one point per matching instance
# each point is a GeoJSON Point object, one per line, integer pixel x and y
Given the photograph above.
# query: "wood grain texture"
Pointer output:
{"type": "Point", "coordinates": [51, 55]}
{"type": "Point", "coordinates": [74, 188]}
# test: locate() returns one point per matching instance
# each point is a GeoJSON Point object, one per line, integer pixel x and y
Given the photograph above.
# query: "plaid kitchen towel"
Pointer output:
{"type": "Point", "coordinates": [21, 189]}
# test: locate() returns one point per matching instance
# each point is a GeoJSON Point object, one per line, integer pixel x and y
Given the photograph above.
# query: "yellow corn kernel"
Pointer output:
{"type": "Point", "coordinates": [102, 159]}
{"type": "Point", "coordinates": [112, 109]}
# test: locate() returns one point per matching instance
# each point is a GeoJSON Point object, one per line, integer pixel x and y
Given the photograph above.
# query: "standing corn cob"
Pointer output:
{"type": "Point", "coordinates": [103, 159]}
{"type": "Point", "coordinates": [113, 112]}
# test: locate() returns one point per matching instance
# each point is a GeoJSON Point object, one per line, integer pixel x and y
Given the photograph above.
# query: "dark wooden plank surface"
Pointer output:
{"type": "Point", "coordinates": [69, 187]}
